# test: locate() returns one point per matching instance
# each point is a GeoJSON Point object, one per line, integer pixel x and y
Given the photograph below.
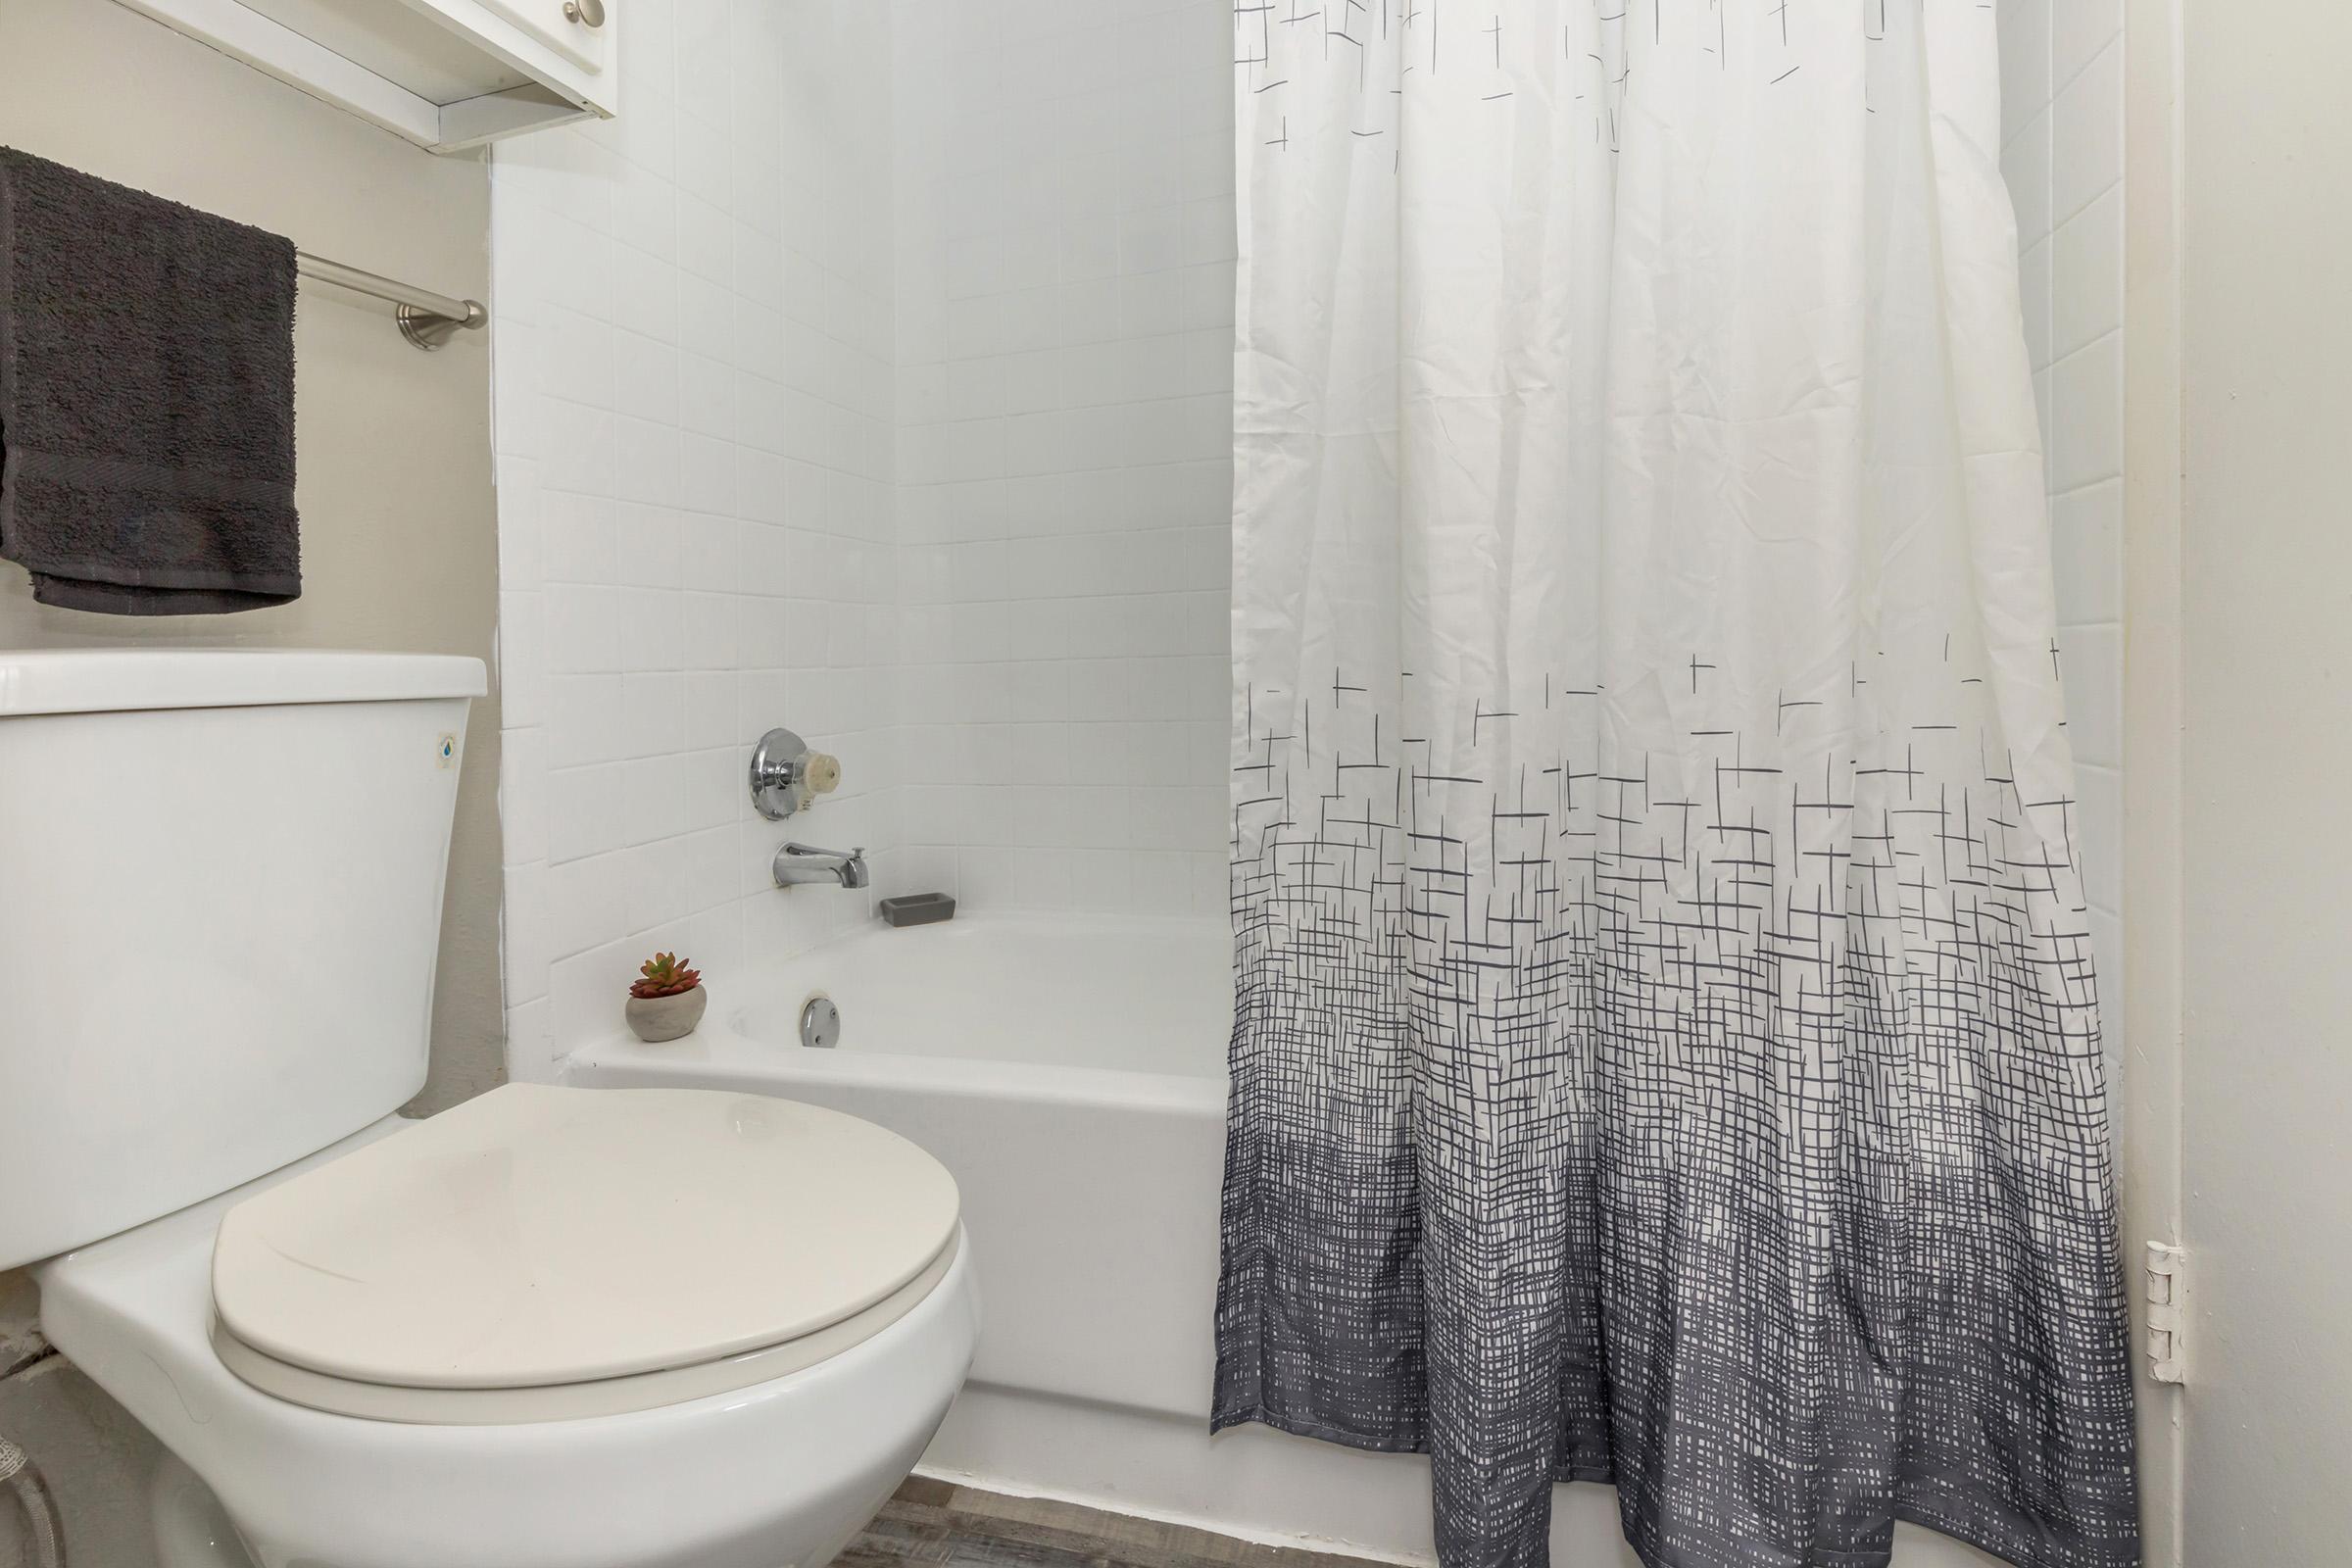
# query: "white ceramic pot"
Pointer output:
{"type": "Point", "coordinates": [671, 1017]}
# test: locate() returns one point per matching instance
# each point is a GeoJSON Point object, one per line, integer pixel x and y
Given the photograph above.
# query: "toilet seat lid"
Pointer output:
{"type": "Point", "coordinates": [538, 1235]}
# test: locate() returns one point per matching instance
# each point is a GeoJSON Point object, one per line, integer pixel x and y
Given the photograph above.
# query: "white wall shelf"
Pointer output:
{"type": "Point", "coordinates": [447, 74]}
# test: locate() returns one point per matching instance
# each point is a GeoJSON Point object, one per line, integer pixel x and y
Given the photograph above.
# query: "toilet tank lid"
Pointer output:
{"type": "Point", "coordinates": [100, 680]}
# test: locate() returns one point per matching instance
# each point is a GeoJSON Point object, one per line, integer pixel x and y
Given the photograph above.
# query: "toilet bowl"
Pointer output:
{"type": "Point", "coordinates": [513, 1420]}
{"type": "Point", "coordinates": [549, 1328]}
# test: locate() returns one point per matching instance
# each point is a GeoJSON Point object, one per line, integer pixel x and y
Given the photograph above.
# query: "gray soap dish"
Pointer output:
{"type": "Point", "coordinates": [917, 908]}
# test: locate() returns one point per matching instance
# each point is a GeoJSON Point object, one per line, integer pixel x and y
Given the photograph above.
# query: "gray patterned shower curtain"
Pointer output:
{"type": "Point", "coordinates": [1667, 1049]}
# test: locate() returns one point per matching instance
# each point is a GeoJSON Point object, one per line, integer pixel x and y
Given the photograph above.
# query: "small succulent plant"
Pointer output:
{"type": "Point", "coordinates": [665, 975]}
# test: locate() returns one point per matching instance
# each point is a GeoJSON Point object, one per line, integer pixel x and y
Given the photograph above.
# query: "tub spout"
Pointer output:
{"type": "Point", "coordinates": [797, 863]}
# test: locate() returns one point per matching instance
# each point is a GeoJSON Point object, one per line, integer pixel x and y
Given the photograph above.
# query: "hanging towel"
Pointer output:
{"type": "Point", "coordinates": [146, 399]}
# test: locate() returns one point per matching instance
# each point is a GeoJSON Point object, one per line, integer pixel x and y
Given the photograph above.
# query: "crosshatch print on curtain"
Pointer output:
{"type": "Point", "coordinates": [1667, 1048]}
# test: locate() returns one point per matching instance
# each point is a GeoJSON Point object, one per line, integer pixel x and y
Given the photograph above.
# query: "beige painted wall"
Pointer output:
{"type": "Point", "coordinates": [2267, 866]}
{"type": "Point", "coordinates": [400, 546]}
{"type": "Point", "coordinates": [399, 518]}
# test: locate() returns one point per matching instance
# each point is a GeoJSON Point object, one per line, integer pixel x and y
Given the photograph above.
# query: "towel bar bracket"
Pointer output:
{"type": "Point", "coordinates": [429, 329]}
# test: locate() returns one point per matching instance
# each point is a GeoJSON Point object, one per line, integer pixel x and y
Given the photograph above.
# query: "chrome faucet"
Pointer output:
{"type": "Point", "coordinates": [797, 863]}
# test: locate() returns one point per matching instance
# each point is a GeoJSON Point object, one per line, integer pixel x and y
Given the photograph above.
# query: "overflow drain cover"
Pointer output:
{"type": "Point", "coordinates": [820, 1023]}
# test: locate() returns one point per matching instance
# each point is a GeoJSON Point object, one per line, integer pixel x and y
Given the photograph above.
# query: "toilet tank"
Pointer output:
{"type": "Point", "coordinates": [220, 877]}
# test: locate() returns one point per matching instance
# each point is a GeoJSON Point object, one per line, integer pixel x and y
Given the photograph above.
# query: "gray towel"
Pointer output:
{"type": "Point", "coordinates": [146, 399]}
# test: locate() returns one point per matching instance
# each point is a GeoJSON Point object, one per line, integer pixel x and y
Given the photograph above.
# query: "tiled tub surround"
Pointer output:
{"type": "Point", "coordinates": [695, 435]}
{"type": "Point", "coordinates": [1065, 257]}
{"type": "Point", "coordinates": [870, 375]}
{"type": "Point", "coordinates": [2062, 87]}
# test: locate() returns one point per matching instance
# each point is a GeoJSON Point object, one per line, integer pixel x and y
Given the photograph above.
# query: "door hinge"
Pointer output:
{"type": "Point", "coordinates": [2167, 1290]}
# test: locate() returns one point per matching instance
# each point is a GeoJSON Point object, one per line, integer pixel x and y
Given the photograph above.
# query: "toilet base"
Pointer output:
{"type": "Point", "coordinates": [778, 1475]}
{"type": "Point", "coordinates": [192, 1528]}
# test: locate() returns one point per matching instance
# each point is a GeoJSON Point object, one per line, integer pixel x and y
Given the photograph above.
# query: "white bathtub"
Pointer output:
{"type": "Point", "coordinates": [1072, 1073]}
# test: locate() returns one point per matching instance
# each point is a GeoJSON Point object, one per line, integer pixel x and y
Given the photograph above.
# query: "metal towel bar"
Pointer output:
{"type": "Point", "coordinates": [426, 319]}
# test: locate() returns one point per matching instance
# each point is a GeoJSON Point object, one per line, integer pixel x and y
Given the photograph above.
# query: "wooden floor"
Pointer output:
{"type": "Point", "coordinates": [933, 1523]}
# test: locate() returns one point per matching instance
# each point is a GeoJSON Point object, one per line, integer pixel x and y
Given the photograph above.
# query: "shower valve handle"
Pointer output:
{"type": "Point", "coordinates": [786, 775]}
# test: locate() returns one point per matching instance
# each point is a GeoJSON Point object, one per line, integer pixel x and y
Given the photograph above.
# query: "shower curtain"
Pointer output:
{"type": "Point", "coordinates": [1666, 1049]}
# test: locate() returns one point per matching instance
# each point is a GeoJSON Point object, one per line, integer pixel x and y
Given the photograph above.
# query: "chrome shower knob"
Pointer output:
{"type": "Point", "coordinates": [786, 775]}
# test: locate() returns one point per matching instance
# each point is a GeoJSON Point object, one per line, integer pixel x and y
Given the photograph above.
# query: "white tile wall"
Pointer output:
{"type": "Point", "coordinates": [1065, 261]}
{"type": "Point", "coordinates": [872, 375]}
{"type": "Point", "coordinates": [2062, 84]}
{"type": "Point", "coordinates": [695, 432]}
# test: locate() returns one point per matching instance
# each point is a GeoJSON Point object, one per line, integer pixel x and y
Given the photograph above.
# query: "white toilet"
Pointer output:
{"type": "Point", "coordinates": [551, 1328]}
